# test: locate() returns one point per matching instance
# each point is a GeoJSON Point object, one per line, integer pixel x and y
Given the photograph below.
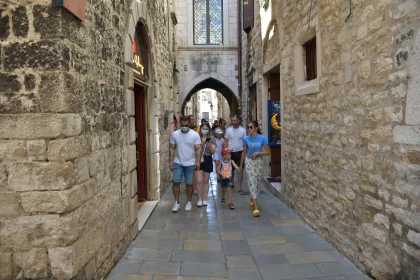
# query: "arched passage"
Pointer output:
{"type": "Point", "coordinates": [216, 85]}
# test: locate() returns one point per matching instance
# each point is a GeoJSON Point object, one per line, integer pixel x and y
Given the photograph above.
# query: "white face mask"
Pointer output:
{"type": "Point", "coordinates": [204, 132]}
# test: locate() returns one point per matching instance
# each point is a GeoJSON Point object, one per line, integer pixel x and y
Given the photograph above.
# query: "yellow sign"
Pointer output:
{"type": "Point", "coordinates": [136, 61]}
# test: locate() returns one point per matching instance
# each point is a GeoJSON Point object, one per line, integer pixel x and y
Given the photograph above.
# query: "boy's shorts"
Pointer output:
{"type": "Point", "coordinates": [226, 183]}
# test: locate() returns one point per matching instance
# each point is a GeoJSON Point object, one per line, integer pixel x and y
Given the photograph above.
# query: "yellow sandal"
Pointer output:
{"type": "Point", "coordinates": [256, 213]}
{"type": "Point", "coordinates": [251, 204]}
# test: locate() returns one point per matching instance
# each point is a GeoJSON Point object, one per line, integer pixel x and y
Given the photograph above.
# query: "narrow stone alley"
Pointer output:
{"type": "Point", "coordinates": [215, 242]}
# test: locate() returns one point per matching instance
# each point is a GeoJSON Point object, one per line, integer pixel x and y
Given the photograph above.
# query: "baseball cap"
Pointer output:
{"type": "Point", "coordinates": [225, 151]}
{"type": "Point", "coordinates": [219, 131]}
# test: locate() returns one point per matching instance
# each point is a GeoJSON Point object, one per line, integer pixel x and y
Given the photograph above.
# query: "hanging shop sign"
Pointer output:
{"type": "Point", "coordinates": [140, 62]}
{"type": "Point", "coordinates": [274, 127]}
{"type": "Point", "coordinates": [76, 7]}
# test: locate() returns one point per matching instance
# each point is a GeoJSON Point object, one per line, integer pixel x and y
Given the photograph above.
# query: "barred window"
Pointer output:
{"type": "Point", "coordinates": [208, 22]}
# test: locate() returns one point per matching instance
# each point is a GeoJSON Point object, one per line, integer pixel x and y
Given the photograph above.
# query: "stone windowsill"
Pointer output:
{"type": "Point", "coordinates": [308, 87]}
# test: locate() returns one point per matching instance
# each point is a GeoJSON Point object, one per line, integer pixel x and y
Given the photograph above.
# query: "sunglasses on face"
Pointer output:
{"type": "Point", "coordinates": [250, 127]}
{"type": "Point", "coordinates": [186, 125]}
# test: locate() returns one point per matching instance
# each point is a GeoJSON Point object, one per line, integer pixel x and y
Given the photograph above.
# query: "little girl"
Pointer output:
{"type": "Point", "coordinates": [224, 169]}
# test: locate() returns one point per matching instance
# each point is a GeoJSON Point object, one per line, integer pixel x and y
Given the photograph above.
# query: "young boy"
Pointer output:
{"type": "Point", "coordinates": [224, 169]}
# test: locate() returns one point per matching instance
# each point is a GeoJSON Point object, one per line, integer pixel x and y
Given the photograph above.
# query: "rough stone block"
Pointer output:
{"type": "Point", "coordinates": [9, 205]}
{"type": "Point", "coordinates": [17, 103]}
{"type": "Point", "coordinates": [81, 170]}
{"type": "Point", "coordinates": [30, 82]}
{"type": "Point", "coordinates": [133, 210]}
{"type": "Point", "coordinates": [382, 219]}
{"type": "Point", "coordinates": [132, 161]}
{"type": "Point", "coordinates": [374, 232]}
{"type": "Point", "coordinates": [12, 150]}
{"type": "Point", "coordinates": [31, 176]}
{"type": "Point", "coordinates": [405, 8]}
{"type": "Point", "coordinates": [36, 149]}
{"type": "Point", "coordinates": [414, 237]}
{"type": "Point", "coordinates": [43, 55]}
{"type": "Point", "coordinates": [40, 125]}
{"type": "Point", "coordinates": [407, 135]}
{"type": "Point", "coordinates": [412, 112]}
{"type": "Point", "coordinates": [411, 251]}
{"type": "Point", "coordinates": [33, 264]}
{"type": "Point", "coordinates": [414, 157]}
{"type": "Point", "coordinates": [58, 201]}
{"type": "Point", "coordinates": [5, 261]}
{"type": "Point", "coordinates": [69, 148]}
{"type": "Point", "coordinates": [4, 24]}
{"type": "Point", "coordinates": [398, 228]}
{"type": "Point", "coordinates": [60, 93]}
{"type": "Point", "coordinates": [405, 216]}
{"type": "Point", "coordinates": [9, 83]}
{"type": "Point", "coordinates": [34, 231]}
{"type": "Point", "coordinates": [372, 202]}
{"type": "Point", "coordinates": [402, 203]}
{"type": "Point", "coordinates": [47, 21]}
{"type": "Point", "coordinates": [20, 22]}
{"type": "Point", "coordinates": [66, 262]}
{"type": "Point", "coordinates": [133, 183]}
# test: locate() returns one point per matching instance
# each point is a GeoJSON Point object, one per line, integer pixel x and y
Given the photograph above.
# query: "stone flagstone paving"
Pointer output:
{"type": "Point", "coordinates": [215, 243]}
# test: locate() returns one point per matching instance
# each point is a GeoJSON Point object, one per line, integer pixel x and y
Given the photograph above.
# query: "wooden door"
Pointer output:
{"type": "Point", "coordinates": [274, 89]}
{"type": "Point", "coordinates": [141, 145]}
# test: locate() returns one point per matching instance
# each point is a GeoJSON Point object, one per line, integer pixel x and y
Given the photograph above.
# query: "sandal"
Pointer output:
{"type": "Point", "coordinates": [251, 204]}
{"type": "Point", "coordinates": [231, 206]}
{"type": "Point", "coordinates": [241, 192]}
{"type": "Point", "coordinates": [256, 213]}
{"type": "Point", "coordinates": [223, 201]}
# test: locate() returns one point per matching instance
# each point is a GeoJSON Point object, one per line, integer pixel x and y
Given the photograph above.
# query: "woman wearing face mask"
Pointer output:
{"type": "Point", "coordinates": [202, 176]}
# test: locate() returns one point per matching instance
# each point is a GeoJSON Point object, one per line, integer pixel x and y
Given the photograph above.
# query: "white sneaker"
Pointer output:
{"type": "Point", "coordinates": [176, 206]}
{"type": "Point", "coordinates": [188, 206]}
{"type": "Point", "coordinates": [204, 202]}
{"type": "Point", "coordinates": [199, 203]}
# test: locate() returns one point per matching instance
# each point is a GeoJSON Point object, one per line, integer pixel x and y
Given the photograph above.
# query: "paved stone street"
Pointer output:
{"type": "Point", "coordinates": [215, 242]}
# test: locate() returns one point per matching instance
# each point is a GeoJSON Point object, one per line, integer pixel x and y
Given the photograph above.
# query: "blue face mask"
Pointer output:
{"type": "Point", "coordinates": [184, 128]}
{"type": "Point", "coordinates": [204, 132]}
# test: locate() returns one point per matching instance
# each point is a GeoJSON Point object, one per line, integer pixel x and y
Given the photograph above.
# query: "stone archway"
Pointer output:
{"type": "Point", "coordinates": [212, 83]}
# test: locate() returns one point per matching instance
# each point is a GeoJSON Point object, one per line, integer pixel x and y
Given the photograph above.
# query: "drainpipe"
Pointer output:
{"type": "Point", "coordinates": [240, 54]}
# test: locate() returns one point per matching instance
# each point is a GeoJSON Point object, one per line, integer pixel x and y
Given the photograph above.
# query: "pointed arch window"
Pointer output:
{"type": "Point", "coordinates": [208, 22]}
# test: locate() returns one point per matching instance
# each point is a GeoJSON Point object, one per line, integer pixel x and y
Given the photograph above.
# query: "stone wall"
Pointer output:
{"type": "Point", "coordinates": [68, 204]}
{"type": "Point", "coordinates": [351, 149]}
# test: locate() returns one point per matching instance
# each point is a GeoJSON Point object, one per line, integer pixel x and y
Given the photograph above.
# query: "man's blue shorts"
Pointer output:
{"type": "Point", "coordinates": [183, 171]}
{"type": "Point", "coordinates": [226, 183]}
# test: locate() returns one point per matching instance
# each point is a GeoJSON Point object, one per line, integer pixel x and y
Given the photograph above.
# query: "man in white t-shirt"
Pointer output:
{"type": "Point", "coordinates": [187, 145]}
{"type": "Point", "coordinates": [234, 141]}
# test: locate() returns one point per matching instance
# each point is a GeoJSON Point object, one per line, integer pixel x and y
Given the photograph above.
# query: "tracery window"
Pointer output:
{"type": "Point", "coordinates": [208, 22]}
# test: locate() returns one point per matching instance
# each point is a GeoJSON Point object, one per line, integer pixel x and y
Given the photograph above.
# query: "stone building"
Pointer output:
{"type": "Point", "coordinates": [81, 111]}
{"type": "Point", "coordinates": [207, 53]}
{"type": "Point", "coordinates": [350, 119]}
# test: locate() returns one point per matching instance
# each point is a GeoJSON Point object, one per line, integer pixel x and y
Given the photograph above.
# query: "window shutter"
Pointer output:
{"type": "Point", "coordinates": [248, 13]}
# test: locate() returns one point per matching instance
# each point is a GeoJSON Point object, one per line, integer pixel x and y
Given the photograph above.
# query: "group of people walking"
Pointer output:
{"type": "Point", "coordinates": [193, 150]}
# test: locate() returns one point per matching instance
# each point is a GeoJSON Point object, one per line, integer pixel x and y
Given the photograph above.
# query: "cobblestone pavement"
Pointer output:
{"type": "Point", "coordinates": [214, 243]}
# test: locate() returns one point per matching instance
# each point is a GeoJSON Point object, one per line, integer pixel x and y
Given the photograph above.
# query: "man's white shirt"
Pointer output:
{"type": "Point", "coordinates": [236, 138]}
{"type": "Point", "coordinates": [185, 146]}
